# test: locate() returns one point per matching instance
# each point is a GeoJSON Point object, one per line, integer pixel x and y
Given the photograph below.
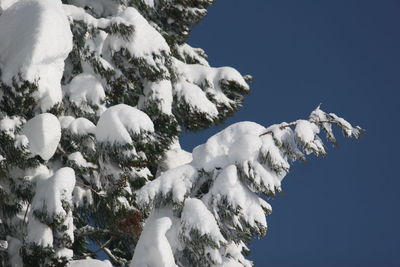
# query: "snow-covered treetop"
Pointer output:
{"type": "Point", "coordinates": [93, 97]}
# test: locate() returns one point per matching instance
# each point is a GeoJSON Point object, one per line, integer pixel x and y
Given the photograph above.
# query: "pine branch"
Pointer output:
{"type": "Point", "coordinates": [90, 230]}
{"type": "Point", "coordinates": [91, 188]}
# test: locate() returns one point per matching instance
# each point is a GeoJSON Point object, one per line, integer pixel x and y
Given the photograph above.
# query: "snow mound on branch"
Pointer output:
{"type": "Point", "coordinates": [102, 8]}
{"type": "Point", "coordinates": [119, 122]}
{"type": "Point", "coordinates": [306, 134]}
{"type": "Point", "coordinates": [39, 233]}
{"type": "Point", "coordinates": [9, 125]}
{"type": "Point", "coordinates": [176, 182]}
{"type": "Point", "coordinates": [144, 42]}
{"type": "Point", "coordinates": [227, 186]}
{"type": "Point", "coordinates": [196, 216]}
{"type": "Point", "coordinates": [153, 248]}
{"type": "Point", "coordinates": [198, 80]}
{"type": "Point", "coordinates": [196, 98]}
{"type": "Point", "coordinates": [199, 74]}
{"type": "Point", "coordinates": [173, 158]}
{"type": "Point", "coordinates": [44, 133]}
{"type": "Point", "coordinates": [36, 46]}
{"type": "Point", "coordinates": [235, 144]}
{"type": "Point", "coordinates": [89, 263]}
{"type": "Point", "coordinates": [79, 160]}
{"type": "Point", "coordinates": [160, 92]}
{"type": "Point", "coordinates": [78, 126]}
{"type": "Point", "coordinates": [85, 88]}
{"type": "Point", "coordinates": [51, 192]}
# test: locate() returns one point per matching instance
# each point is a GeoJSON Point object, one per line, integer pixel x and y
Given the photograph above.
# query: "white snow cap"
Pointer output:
{"type": "Point", "coordinates": [160, 91]}
{"type": "Point", "coordinates": [196, 216]}
{"type": "Point", "coordinates": [50, 194]}
{"type": "Point", "coordinates": [90, 263]}
{"type": "Point", "coordinates": [44, 133]}
{"type": "Point", "coordinates": [145, 40]}
{"type": "Point", "coordinates": [153, 248]}
{"type": "Point", "coordinates": [173, 158]}
{"type": "Point", "coordinates": [50, 191]}
{"type": "Point", "coordinates": [78, 126]}
{"type": "Point", "coordinates": [235, 144]}
{"type": "Point", "coordinates": [85, 88]}
{"type": "Point", "coordinates": [118, 122]}
{"type": "Point", "coordinates": [35, 46]}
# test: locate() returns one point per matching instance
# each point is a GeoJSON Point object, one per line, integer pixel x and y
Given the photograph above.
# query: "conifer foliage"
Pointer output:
{"type": "Point", "coordinates": [93, 97]}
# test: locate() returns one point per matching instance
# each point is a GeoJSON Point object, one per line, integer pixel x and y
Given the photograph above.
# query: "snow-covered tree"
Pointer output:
{"type": "Point", "coordinates": [93, 97]}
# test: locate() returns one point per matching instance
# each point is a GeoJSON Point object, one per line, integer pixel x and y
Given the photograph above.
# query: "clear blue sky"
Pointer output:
{"type": "Point", "coordinates": [342, 210]}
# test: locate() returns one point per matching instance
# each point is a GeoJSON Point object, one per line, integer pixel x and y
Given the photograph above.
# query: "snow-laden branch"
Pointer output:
{"type": "Point", "coordinates": [223, 182]}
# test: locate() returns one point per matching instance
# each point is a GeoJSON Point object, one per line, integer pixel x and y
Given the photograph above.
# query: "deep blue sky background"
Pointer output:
{"type": "Point", "coordinates": [342, 210]}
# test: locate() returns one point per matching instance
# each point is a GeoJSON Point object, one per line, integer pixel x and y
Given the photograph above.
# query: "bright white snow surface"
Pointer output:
{"type": "Point", "coordinates": [145, 40]}
{"type": "Point", "coordinates": [44, 133]}
{"type": "Point", "coordinates": [174, 157]}
{"type": "Point", "coordinates": [235, 144]}
{"type": "Point", "coordinates": [177, 181]}
{"type": "Point", "coordinates": [50, 192]}
{"type": "Point", "coordinates": [153, 248]}
{"type": "Point", "coordinates": [35, 40]}
{"type": "Point", "coordinates": [118, 122]}
{"type": "Point", "coordinates": [196, 216]}
{"type": "Point", "coordinates": [196, 80]}
{"type": "Point", "coordinates": [89, 263]}
{"type": "Point", "coordinates": [78, 126]}
{"type": "Point", "coordinates": [160, 91]}
{"type": "Point", "coordinates": [85, 88]}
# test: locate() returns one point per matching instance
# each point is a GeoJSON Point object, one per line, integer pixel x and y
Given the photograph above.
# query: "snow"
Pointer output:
{"type": "Point", "coordinates": [204, 79]}
{"type": "Point", "coordinates": [9, 125]}
{"type": "Point", "coordinates": [176, 182]}
{"type": "Point", "coordinates": [234, 144]}
{"type": "Point", "coordinates": [276, 160]}
{"type": "Point", "coordinates": [119, 122]}
{"type": "Point", "coordinates": [186, 51]}
{"type": "Point", "coordinates": [85, 88]}
{"type": "Point", "coordinates": [50, 191]}
{"type": "Point", "coordinates": [65, 121]}
{"type": "Point", "coordinates": [64, 252]}
{"type": "Point", "coordinates": [306, 131]}
{"type": "Point", "coordinates": [44, 133]}
{"type": "Point", "coordinates": [80, 160]}
{"type": "Point", "coordinates": [145, 42]}
{"type": "Point", "coordinates": [174, 157]}
{"type": "Point", "coordinates": [14, 246]}
{"type": "Point", "coordinates": [159, 92]}
{"type": "Point", "coordinates": [228, 186]}
{"type": "Point", "coordinates": [82, 196]}
{"type": "Point", "coordinates": [35, 46]}
{"type": "Point", "coordinates": [102, 8]}
{"type": "Point", "coordinates": [89, 263]}
{"type": "Point", "coordinates": [82, 126]}
{"type": "Point", "coordinates": [234, 251]}
{"type": "Point", "coordinates": [153, 248]}
{"type": "Point", "coordinates": [39, 233]}
{"type": "Point", "coordinates": [149, 3]}
{"type": "Point", "coordinates": [196, 216]}
{"type": "Point", "coordinates": [196, 98]}
{"type": "Point", "coordinates": [306, 134]}
{"type": "Point", "coordinates": [79, 14]}
{"type": "Point", "coordinates": [4, 4]}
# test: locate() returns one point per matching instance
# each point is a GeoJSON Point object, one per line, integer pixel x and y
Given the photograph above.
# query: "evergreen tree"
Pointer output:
{"type": "Point", "coordinates": [94, 95]}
